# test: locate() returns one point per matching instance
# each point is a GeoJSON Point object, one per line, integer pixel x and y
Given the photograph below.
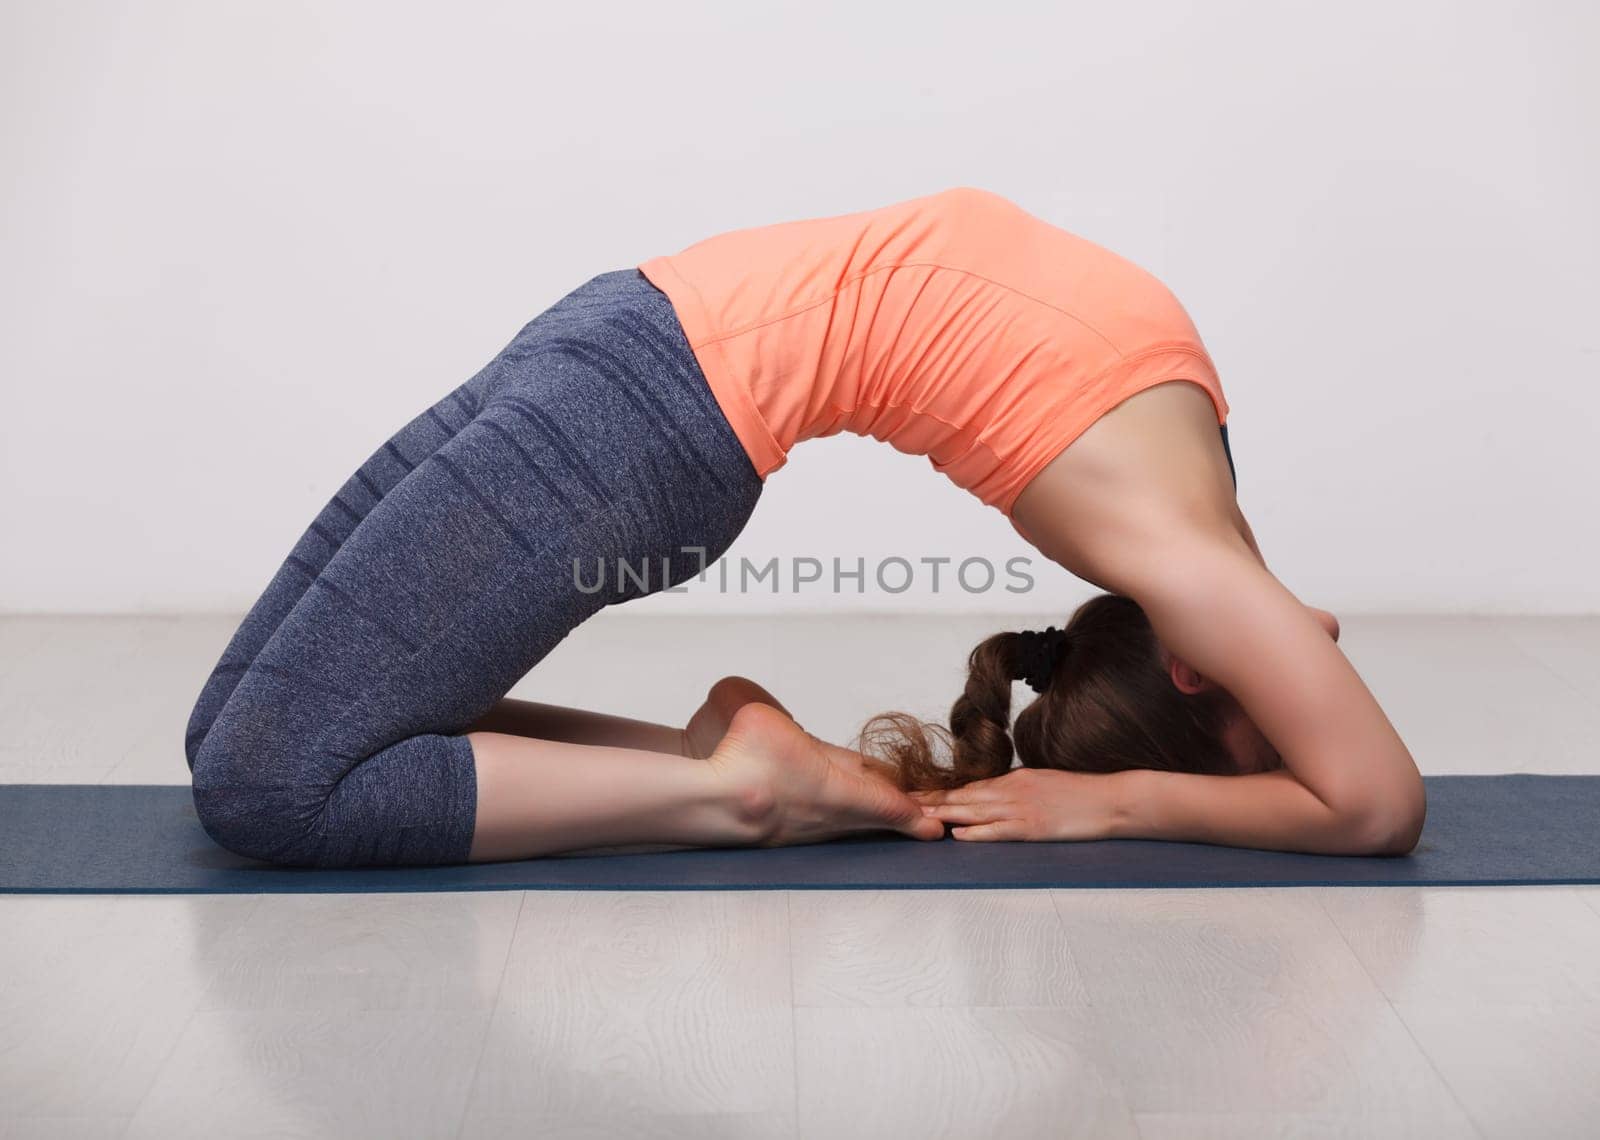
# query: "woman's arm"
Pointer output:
{"type": "Point", "coordinates": [1348, 784]}
{"type": "Point", "coordinates": [1271, 810]}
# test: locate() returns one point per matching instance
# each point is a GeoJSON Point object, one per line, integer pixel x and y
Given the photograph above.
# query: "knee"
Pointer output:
{"type": "Point", "coordinates": [246, 811]}
{"type": "Point", "coordinates": [195, 735]}
{"type": "Point", "coordinates": [204, 714]}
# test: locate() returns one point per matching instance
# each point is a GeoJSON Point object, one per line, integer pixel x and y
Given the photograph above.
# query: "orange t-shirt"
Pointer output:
{"type": "Point", "coordinates": [955, 325]}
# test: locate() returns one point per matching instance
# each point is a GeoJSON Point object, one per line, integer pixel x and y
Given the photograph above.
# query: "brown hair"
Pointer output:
{"type": "Point", "coordinates": [1109, 705]}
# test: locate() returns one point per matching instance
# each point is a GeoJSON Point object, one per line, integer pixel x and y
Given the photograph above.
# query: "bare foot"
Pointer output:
{"type": "Point", "coordinates": [710, 722]}
{"type": "Point", "coordinates": [794, 788]}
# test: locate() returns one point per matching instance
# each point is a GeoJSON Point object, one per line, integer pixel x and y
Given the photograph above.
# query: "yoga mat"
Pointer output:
{"type": "Point", "coordinates": [145, 839]}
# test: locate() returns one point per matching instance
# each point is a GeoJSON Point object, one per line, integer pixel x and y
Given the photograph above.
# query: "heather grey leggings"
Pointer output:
{"type": "Point", "coordinates": [330, 733]}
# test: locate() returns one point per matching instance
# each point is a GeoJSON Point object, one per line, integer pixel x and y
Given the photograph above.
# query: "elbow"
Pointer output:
{"type": "Point", "coordinates": [1393, 836]}
{"type": "Point", "coordinates": [1392, 826]}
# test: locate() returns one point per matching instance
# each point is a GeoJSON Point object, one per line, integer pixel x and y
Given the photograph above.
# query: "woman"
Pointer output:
{"type": "Point", "coordinates": [357, 718]}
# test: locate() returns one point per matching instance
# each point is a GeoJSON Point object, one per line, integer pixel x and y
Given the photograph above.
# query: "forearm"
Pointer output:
{"type": "Point", "coordinates": [1270, 810]}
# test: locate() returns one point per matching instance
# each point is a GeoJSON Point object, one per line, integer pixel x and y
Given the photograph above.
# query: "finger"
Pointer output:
{"type": "Point", "coordinates": [1005, 829]}
{"type": "Point", "coordinates": [971, 813]}
{"type": "Point", "coordinates": [978, 792]}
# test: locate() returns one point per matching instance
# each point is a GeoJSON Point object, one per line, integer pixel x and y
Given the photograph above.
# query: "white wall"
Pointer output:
{"type": "Point", "coordinates": [243, 242]}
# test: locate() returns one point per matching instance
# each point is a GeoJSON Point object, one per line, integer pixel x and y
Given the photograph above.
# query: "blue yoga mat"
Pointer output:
{"type": "Point", "coordinates": [145, 839]}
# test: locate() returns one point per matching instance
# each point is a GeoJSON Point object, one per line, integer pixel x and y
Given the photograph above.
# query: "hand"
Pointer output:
{"type": "Point", "coordinates": [1028, 804]}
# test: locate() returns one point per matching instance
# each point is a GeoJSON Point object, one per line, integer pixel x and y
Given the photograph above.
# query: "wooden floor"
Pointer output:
{"type": "Point", "coordinates": [1155, 1014]}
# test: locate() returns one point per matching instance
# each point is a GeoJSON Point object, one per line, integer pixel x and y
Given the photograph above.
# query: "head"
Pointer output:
{"type": "Point", "coordinates": [1112, 698]}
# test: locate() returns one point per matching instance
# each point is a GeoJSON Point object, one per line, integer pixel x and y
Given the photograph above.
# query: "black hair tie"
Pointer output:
{"type": "Point", "coordinates": [1037, 654]}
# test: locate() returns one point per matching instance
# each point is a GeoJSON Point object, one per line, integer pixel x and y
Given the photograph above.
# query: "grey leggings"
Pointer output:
{"type": "Point", "coordinates": [330, 733]}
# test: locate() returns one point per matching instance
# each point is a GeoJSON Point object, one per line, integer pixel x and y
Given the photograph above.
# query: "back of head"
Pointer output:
{"type": "Point", "coordinates": [1106, 703]}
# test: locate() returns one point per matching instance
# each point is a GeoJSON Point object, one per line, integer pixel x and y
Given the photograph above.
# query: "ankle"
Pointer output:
{"type": "Point", "coordinates": [753, 812]}
{"type": "Point", "coordinates": [742, 764]}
